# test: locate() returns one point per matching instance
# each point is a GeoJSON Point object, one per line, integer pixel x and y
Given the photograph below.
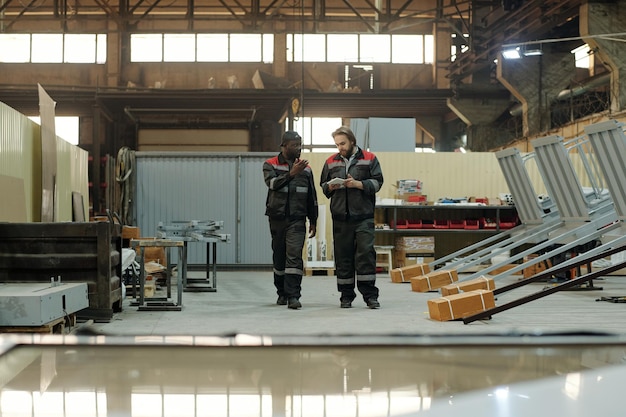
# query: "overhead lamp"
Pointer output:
{"type": "Point", "coordinates": [513, 53]}
{"type": "Point", "coordinates": [533, 51]}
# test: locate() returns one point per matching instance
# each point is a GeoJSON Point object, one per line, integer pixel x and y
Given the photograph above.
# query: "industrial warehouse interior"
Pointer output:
{"type": "Point", "coordinates": [137, 144]}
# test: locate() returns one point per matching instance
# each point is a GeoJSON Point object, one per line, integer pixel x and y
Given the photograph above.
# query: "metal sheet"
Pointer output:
{"type": "Point", "coordinates": [33, 304]}
{"type": "Point", "coordinates": [48, 156]}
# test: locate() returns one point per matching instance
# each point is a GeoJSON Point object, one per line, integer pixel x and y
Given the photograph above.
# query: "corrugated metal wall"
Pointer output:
{"type": "Point", "coordinates": [178, 186]}
{"type": "Point", "coordinates": [254, 227]}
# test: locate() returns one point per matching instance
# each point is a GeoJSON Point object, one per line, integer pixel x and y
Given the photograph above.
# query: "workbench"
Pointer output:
{"type": "Point", "coordinates": [160, 303]}
{"type": "Point", "coordinates": [197, 231]}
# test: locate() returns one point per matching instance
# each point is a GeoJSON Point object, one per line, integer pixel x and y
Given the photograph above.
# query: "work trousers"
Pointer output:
{"type": "Point", "coordinates": [288, 237]}
{"type": "Point", "coordinates": [355, 257]}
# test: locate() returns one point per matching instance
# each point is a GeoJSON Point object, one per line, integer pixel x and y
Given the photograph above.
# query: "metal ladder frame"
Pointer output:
{"type": "Point", "coordinates": [585, 216]}
{"type": "Point", "coordinates": [538, 219]}
{"type": "Point", "coordinates": [609, 145]}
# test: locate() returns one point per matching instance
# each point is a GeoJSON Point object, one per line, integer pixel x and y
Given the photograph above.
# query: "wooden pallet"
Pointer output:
{"type": "Point", "coordinates": [57, 326]}
{"type": "Point", "coordinates": [310, 271]}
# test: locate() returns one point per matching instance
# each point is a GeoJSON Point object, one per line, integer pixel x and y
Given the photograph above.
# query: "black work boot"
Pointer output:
{"type": "Point", "coordinates": [294, 303]}
{"type": "Point", "coordinates": [373, 303]}
{"type": "Point", "coordinates": [345, 303]}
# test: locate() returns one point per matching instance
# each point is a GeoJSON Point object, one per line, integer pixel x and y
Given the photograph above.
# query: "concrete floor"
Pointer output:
{"type": "Point", "coordinates": [326, 361]}
{"type": "Point", "coordinates": [244, 303]}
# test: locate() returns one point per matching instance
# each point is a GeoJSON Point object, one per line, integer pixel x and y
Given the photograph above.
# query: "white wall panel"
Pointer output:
{"type": "Point", "coordinates": [444, 174]}
{"type": "Point", "coordinates": [20, 157]}
{"type": "Point", "coordinates": [72, 176]}
{"type": "Point", "coordinates": [19, 153]}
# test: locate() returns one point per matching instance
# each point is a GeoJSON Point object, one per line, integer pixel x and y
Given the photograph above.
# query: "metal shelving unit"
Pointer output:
{"type": "Point", "coordinates": [485, 221]}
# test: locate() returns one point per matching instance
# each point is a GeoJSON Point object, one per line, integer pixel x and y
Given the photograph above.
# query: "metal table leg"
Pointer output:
{"type": "Point", "coordinates": [182, 274]}
{"type": "Point", "coordinates": [214, 263]}
{"type": "Point", "coordinates": [210, 269]}
{"type": "Point", "coordinates": [142, 276]}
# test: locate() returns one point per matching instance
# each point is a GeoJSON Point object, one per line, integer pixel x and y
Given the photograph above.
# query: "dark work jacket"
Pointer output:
{"type": "Point", "coordinates": [287, 197]}
{"type": "Point", "coordinates": [352, 203]}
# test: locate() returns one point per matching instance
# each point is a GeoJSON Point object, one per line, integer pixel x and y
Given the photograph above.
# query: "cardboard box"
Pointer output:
{"type": "Point", "coordinates": [503, 269]}
{"type": "Point", "coordinates": [531, 270]}
{"type": "Point", "coordinates": [405, 273]}
{"type": "Point", "coordinates": [409, 186]}
{"type": "Point", "coordinates": [415, 244]}
{"type": "Point", "coordinates": [480, 283]}
{"type": "Point", "coordinates": [434, 280]}
{"type": "Point", "coordinates": [149, 288]}
{"type": "Point", "coordinates": [156, 254]}
{"type": "Point", "coordinates": [457, 306]}
{"type": "Point", "coordinates": [130, 232]}
{"type": "Point", "coordinates": [401, 259]}
{"type": "Point", "coordinates": [416, 259]}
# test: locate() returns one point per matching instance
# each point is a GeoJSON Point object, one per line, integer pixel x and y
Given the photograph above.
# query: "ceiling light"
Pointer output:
{"type": "Point", "coordinates": [511, 53]}
{"type": "Point", "coordinates": [534, 50]}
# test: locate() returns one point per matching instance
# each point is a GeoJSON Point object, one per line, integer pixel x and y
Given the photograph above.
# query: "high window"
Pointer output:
{"type": "Point", "coordinates": [366, 48]}
{"type": "Point", "coordinates": [316, 133]}
{"type": "Point", "coordinates": [202, 47]}
{"type": "Point", "coordinates": [53, 48]}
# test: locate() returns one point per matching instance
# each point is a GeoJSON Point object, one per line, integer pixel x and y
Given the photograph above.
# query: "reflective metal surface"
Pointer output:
{"type": "Point", "coordinates": [262, 376]}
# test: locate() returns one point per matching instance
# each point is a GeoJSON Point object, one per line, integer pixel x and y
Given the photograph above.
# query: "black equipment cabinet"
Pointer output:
{"type": "Point", "coordinates": [76, 252]}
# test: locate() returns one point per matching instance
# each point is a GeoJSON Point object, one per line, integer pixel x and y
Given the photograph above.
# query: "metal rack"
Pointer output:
{"type": "Point", "coordinates": [586, 213]}
{"type": "Point", "coordinates": [207, 231]}
{"type": "Point", "coordinates": [537, 219]}
{"type": "Point", "coordinates": [609, 145]}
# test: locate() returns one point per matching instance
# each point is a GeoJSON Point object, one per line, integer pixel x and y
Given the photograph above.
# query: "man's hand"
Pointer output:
{"type": "Point", "coordinates": [298, 167]}
{"type": "Point", "coordinates": [352, 183]}
{"type": "Point", "coordinates": [312, 230]}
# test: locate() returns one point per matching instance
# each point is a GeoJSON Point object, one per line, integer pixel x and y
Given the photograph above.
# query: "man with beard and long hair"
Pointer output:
{"type": "Point", "coordinates": [350, 179]}
{"type": "Point", "coordinates": [291, 199]}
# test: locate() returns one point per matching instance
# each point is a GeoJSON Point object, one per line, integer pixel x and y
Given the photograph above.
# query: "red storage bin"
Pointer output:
{"type": "Point", "coordinates": [428, 224]}
{"type": "Point", "coordinates": [416, 199]}
{"type": "Point", "coordinates": [488, 223]}
{"type": "Point", "coordinates": [456, 224]}
{"type": "Point", "coordinates": [441, 224]}
{"type": "Point", "coordinates": [415, 224]}
{"type": "Point", "coordinates": [472, 224]}
{"type": "Point", "coordinates": [508, 223]}
{"type": "Point", "coordinates": [400, 224]}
